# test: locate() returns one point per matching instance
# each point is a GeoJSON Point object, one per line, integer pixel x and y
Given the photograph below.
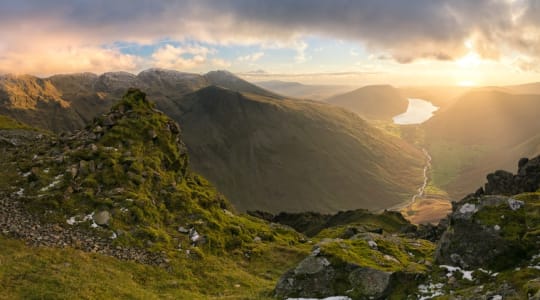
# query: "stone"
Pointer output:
{"type": "Point", "coordinates": [370, 282]}
{"type": "Point", "coordinates": [317, 277]}
{"type": "Point", "coordinates": [515, 204]}
{"type": "Point", "coordinates": [311, 265]}
{"type": "Point", "coordinates": [102, 218]}
{"type": "Point", "coordinates": [469, 243]}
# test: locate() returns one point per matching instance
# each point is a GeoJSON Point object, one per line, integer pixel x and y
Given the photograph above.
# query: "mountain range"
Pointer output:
{"type": "Point", "coordinates": [262, 150]}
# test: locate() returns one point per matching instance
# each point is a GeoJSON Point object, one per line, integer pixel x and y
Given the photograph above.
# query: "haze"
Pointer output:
{"type": "Point", "coordinates": [318, 42]}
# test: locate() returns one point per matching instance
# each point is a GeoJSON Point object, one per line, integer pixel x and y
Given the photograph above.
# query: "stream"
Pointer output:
{"type": "Point", "coordinates": [422, 189]}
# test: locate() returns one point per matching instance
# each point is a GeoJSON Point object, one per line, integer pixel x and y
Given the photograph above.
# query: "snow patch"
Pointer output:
{"type": "Point", "coordinates": [430, 290]}
{"type": "Point", "coordinates": [20, 192]}
{"type": "Point", "coordinates": [451, 270]}
{"type": "Point", "coordinates": [468, 208]}
{"type": "Point", "coordinates": [328, 298]}
{"type": "Point", "coordinates": [55, 182]}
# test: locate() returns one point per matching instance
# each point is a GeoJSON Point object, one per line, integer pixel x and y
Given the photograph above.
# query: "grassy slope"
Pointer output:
{"type": "Point", "coordinates": [46, 273]}
{"type": "Point", "coordinates": [149, 221]}
{"type": "Point", "coordinates": [295, 155]}
{"type": "Point", "coordinates": [9, 123]}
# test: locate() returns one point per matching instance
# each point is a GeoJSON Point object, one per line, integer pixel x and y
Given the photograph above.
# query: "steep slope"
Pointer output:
{"type": "Point", "coordinates": [481, 131]}
{"type": "Point", "coordinates": [36, 102]}
{"type": "Point", "coordinates": [68, 101]}
{"type": "Point", "coordinates": [303, 91]}
{"type": "Point", "coordinates": [475, 117]}
{"type": "Point", "coordinates": [528, 88]}
{"type": "Point", "coordinates": [378, 102]}
{"type": "Point", "coordinates": [298, 137]}
{"type": "Point", "coordinates": [232, 82]}
{"type": "Point", "coordinates": [295, 155]}
{"type": "Point", "coordinates": [122, 188]}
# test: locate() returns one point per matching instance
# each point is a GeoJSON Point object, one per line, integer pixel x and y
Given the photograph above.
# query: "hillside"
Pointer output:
{"type": "Point", "coordinates": [69, 101]}
{"type": "Point", "coordinates": [230, 81]}
{"type": "Point", "coordinates": [512, 117]}
{"type": "Point", "coordinates": [122, 188]}
{"type": "Point", "coordinates": [376, 102]}
{"type": "Point", "coordinates": [303, 91]}
{"type": "Point", "coordinates": [291, 144]}
{"type": "Point", "coordinates": [295, 155]}
{"type": "Point", "coordinates": [481, 131]}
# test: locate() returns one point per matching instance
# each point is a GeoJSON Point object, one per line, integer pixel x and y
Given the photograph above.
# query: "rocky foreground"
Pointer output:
{"type": "Point", "coordinates": [489, 249]}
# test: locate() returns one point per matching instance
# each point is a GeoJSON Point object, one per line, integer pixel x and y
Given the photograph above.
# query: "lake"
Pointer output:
{"type": "Point", "coordinates": [418, 111]}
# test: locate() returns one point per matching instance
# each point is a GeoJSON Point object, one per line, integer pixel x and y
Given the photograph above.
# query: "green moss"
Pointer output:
{"type": "Point", "coordinates": [392, 253]}
{"type": "Point", "coordinates": [9, 123]}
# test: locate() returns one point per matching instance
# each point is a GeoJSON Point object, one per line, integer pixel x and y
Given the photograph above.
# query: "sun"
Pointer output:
{"type": "Point", "coordinates": [466, 83]}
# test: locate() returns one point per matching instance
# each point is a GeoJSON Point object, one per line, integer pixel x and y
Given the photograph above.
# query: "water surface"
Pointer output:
{"type": "Point", "coordinates": [418, 112]}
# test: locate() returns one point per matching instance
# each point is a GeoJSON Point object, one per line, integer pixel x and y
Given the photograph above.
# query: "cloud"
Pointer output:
{"type": "Point", "coordinates": [251, 57]}
{"type": "Point", "coordinates": [221, 63]}
{"type": "Point", "coordinates": [402, 30]}
{"type": "Point", "coordinates": [171, 57]}
{"type": "Point", "coordinates": [66, 60]}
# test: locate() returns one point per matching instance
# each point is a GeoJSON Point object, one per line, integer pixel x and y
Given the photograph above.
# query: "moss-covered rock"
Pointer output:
{"type": "Point", "coordinates": [490, 232]}
{"type": "Point", "coordinates": [366, 266]}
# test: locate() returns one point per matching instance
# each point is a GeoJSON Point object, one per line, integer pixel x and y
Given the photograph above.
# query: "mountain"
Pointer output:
{"type": "Point", "coordinates": [303, 91]}
{"type": "Point", "coordinates": [262, 151]}
{"type": "Point", "coordinates": [528, 88]}
{"type": "Point", "coordinates": [228, 80]}
{"type": "Point", "coordinates": [376, 102]}
{"type": "Point", "coordinates": [482, 130]}
{"type": "Point", "coordinates": [294, 155]}
{"type": "Point", "coordinates": [512, 117]}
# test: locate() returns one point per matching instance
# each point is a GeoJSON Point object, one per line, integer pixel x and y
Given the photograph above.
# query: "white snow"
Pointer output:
{"type": "Point", "coordinates": [372, 244]}
{"type": "Point", "coordinates": [74, 220]}
{"type": "Point", "coordinates": [468, 208]}
{"type": "Point", "coordinates": [20, 192]}
{"type": "Point", "coordinates": [497, 297]}
{"type": "Point", "coordinates": [27, 174]}
{"type": "Point", "coordinates": [55, 182]}
{"type": "Point", "coordinates": [430, 291]}
{"type": "Point", "coordinates": [328, 298]}
{"type": "Point", "coordinates": [194, 236]}
{"type": "Point", "coordinates": [113, 235]}
{"type": "Point", "coordinates": [497, 227]}
{"type": "Point", "coordinates": [451, 269]}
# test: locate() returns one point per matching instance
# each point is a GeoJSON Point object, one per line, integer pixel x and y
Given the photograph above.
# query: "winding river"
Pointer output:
{"type": "Point", "coordinates": [422, 189]}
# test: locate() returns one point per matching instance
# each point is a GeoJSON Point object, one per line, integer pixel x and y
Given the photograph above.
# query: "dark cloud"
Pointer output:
{"type": "Point", "coordinates": [404, 29]}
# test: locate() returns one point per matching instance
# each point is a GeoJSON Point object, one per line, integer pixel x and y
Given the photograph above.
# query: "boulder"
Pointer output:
{"type": "Point", "coordinates": [317, 277]}
{"type": "Point", "coordinates": [484, 232]}
{"type": "Point", "coordinates": [102, 218]}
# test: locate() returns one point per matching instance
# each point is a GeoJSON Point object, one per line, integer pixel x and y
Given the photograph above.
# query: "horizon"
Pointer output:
{"type": "Point", "coordinates": [246, 76]}
{"type": "Point", "coordinates": [438, 43]}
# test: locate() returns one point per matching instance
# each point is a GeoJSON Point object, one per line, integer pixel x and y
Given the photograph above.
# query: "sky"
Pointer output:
{"type": "Point", "coordinates": [347, 42]}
